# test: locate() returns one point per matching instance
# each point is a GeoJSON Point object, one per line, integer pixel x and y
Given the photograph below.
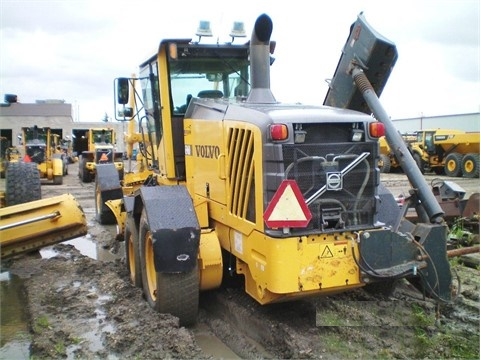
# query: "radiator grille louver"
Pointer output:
{"type": "Point", "coordinates": [240, 171]}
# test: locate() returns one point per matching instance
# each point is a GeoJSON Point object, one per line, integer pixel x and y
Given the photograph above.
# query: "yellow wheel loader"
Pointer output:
{"type": "Point", "coordinates": [287, 197]}
{"type": "Point", "coordinates": [28, 222]}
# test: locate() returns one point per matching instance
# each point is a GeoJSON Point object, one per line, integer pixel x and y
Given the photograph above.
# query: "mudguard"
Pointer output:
{"type": "Point", "coordinates": [174, 227]}
{"type": "Point", "coordinates": [107, 187]}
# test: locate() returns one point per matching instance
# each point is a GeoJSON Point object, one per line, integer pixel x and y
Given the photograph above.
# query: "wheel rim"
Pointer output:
{"type": "Point", "coordinates": [130, 249]}
{"type": "Point", "coordinates": [98, 204]}
{"type": "Point", "coordinates": [469, 166]}
{"type": "Point", "coordinates": [451, 165]}
{"type": "Point", "coordinates": [149, 266]}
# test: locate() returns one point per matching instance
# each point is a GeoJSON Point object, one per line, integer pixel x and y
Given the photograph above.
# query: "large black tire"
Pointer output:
{"type": "Point", "coordinates": [58, 180]}
{"type": "Point", "coordinates": [22, 183]}
{"type": "Point", "coordinates": [85, 176]}
{"type": "Point", "coordinates": [173, 293]}
{"type": "Point", "coordinates": [419, 162]}
{"type": "Point", "coordinates": [132, 251]}
{"type": "Point", "coordinates": [453, 165]}
{"type": "Point", "coordinates": [470, 166]}
{"type": "Point", "coordinates": [384, 164]}
{"type": "Point", "coordinates": [104, 215]}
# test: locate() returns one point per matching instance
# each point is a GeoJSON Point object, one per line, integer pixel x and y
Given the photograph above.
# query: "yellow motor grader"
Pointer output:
{"type": "Point", "coordinates": [39, 147]}
{"type": "Point", "coordinates": [285, 196]}
{"type": "Point", "coordinates": [28, 222]}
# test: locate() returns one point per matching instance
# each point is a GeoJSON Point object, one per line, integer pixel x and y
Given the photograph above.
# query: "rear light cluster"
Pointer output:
{"type": "Point", "coordinates": [376, 129]}
{"type": "Point", "coordinates": [279, 132]}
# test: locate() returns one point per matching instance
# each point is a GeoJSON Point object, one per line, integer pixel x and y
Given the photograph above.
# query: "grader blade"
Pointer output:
{"type": "Point", "coordinates": [36, 224]}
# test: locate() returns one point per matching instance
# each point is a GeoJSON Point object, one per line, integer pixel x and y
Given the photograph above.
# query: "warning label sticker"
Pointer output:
{"type": "Point", "coordinates": [327, 253]}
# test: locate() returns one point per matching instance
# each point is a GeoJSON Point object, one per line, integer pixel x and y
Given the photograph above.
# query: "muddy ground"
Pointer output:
{"type": "Point", "coordinates": [81, 307]}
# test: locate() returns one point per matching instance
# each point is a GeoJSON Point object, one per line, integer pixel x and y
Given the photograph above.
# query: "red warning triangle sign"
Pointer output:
{"type": "Point", "coordinates": [104, 157]}
{"type": "Point", "coordinates": [287, 207]}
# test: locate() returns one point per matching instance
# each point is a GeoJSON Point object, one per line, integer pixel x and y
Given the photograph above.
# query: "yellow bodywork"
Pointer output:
{"type": "Point", "coordinates": [51, 168]}
{"type": "Point", "coordinates": [275, 268]}
{"type": "Point", "coordinates": [452, 140]}
{"type": "Point", "coordinates": [40, 223]}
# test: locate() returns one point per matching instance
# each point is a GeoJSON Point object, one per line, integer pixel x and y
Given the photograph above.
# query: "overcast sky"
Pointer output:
{"type": "Point", "coordinates": [72, 50]}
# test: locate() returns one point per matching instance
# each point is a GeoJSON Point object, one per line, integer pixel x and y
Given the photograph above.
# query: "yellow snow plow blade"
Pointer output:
{"type": "Point", "coordinates": [33, 225]}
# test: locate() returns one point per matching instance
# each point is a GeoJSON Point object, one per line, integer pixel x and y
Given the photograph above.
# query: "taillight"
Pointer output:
{"type": "Point", "coordinates": [279, 132]}
{"type": "Point", "coordinates": [376, 129]}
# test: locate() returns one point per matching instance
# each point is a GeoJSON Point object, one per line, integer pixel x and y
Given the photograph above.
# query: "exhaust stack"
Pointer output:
{"type": "Point", "coordinates": [260, 62]}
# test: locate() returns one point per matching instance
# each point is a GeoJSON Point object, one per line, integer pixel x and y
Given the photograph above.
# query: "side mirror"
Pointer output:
{"type": "Point", "coordinates": [122, 91]}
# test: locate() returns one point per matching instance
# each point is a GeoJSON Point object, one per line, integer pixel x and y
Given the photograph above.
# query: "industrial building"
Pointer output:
{"type": "Point", "coordinates": [55, 114]}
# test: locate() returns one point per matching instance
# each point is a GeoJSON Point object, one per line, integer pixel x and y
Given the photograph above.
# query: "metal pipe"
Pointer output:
{"type": "Point", "coordinates": [29, 221]}
{"type": "Point", "coordinates": [463, 251]}
{"type": "Point", "coordinates": [397, 144]}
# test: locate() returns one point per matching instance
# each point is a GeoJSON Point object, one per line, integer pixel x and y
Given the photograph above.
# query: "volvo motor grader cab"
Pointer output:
{"type": "Point", "coordinates": [40, 148]}
{"type": "Point", "coordinates": [288, 196]}
{"type": "Point", "coordinates": [101, 150]}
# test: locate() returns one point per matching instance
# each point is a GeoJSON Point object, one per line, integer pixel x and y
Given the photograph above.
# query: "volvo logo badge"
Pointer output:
{"type": "Point", "coordinates": [334, 181]}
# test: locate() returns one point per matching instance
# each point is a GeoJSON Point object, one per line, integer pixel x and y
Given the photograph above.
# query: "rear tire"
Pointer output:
{"type": "Point", "coordinates": [470, 166]}
{"type": "Point", "coordinates": [84, 173]}
{"type": "Point", "coordinates": [173, 293]}
{"type": "Point", "coordinates": [419, 162]}
{"type": "Point", "coordinates": [104, 215]}
{"type": "Point", "coordinates": [132, 250]}
{"type": "Point", "coordinates": [453, 165]}
{"type": "Point", "coordinates": [385, 164]}
{"type": "Point", "coordinates": [22, 183]}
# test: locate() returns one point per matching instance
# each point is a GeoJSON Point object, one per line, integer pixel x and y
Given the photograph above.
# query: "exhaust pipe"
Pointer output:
{"type": "Point", "coordinates": [260, 62]}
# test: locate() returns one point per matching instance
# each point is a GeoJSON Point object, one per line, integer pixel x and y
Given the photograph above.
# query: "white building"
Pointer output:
{"type": "Point", "coordinates": [55, 114]}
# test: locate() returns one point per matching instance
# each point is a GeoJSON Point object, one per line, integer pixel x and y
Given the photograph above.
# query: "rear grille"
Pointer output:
{"type": "Point", "coordinates": [36, 153]}
{"type": "Point", "coordinates": [103, 156]}
{"type": "Point", "coordinates": [337, 180]}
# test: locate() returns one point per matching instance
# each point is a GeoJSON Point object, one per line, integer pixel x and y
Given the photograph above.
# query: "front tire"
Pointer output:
{"type": "Point", "coordinates": [174, 293]}
{"type": "Point", "coordinates": [419, 162]}
{"type": "Point", "coordinates": [103, 213]}
{"type": "Point", "coordinates": [84, 172]}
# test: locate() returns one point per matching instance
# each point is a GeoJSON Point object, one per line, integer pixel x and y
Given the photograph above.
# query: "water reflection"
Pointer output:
{"type": "Point", "coordinates": [87, 247]}
{"type": "Point", "coordinates": [15, 338]}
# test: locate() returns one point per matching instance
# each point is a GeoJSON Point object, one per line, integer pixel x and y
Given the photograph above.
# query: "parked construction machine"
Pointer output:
{"type": "Point", "coordinates": [40, 148]}
{"type": "Point", "coordinates": [286, 196]}
{"type": "Point", "coordinates": [101, 150]}
{"type": "Point", "coordinates": [28, 222]}
{"type": "Point", "coordinates": [8, 153]}
{"type": "Point", "coordinates": [452, 152]}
